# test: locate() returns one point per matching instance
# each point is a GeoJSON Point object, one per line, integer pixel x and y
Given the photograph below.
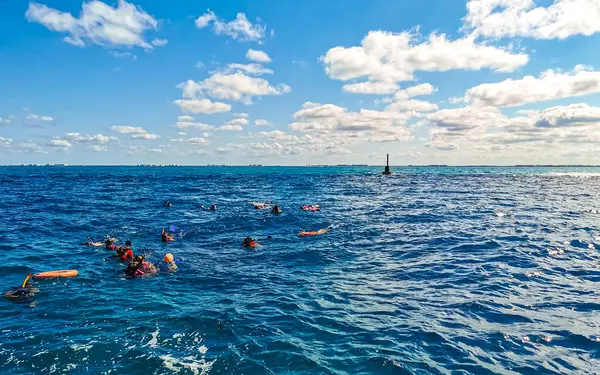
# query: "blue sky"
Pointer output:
{"type": "Point", "coordinates": [208, 82]}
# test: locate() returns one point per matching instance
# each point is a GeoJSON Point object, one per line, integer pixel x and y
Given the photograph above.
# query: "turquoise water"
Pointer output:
{"type": "Point", "coordinates": [430, 271]}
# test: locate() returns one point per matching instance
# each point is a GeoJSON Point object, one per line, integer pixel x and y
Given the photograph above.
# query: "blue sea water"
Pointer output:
{"type": "Point", "coordinates": [431, 271]}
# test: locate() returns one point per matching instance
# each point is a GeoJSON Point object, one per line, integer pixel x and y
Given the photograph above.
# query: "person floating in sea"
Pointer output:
{"type": "Point", "coordinates": [165, 237]}
{"type": "Point", "coordinates": [139, 267]}
{"type": "Point", "coordinates": [213, 207]}
{"type": "Point", "coordinates": [311, 207]}
{"type": "Point", "coordinates": [168, 264]}
{"type": "Point", "coordinates": [261, 205]}
{"type": "Point", "coordinates": [168, 204]}
{"type": "Point", "coordinates": [124, 253]}
{"type": "Point", "coordinates": [250, 242]}
{"type": "Point", "coordinates": [320, 231]}
{"type": "Point", "coordinates": [23, 292]}
{"type": "Point", "coordinates": [276, 209]}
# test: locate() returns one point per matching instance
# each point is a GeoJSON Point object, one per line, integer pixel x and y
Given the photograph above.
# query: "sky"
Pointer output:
{"type": "Point", "coordinates": [461, 82]}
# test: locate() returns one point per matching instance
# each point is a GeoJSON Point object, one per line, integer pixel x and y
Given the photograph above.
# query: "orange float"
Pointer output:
{"type": "Point", "coordinates": [55, 274]}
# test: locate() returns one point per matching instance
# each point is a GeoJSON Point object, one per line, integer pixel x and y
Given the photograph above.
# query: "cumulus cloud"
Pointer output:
{"type": "Point", "coordinates": [60, 143]}
{"type": "Point", "coordinates": [128, 130]}
{"type": "Point", "coordinates": [467, 118]}
{"type": "Point", "coordinates": [251, 69]}
{"type": "Point", "coordinates": [374, 88]}
{"type": "Point", "coordinates": [185, 118]}
{"type": "Point", "coordinates": [241, 114]}
{"type": "Point", "coordinates": [99, 23]}
{"type": "Point", "coordinates": [202, 106]}
{"type": "Point", "coordinates": [402, 100]}
{"type": "Point", "coordinates": [194, 141]}
{"type": "Point", "coordinates": [237, 86]}
{"type": "Point", "coordinates": [240, 28]}
{"type": "Point", "coordinates": [136, 132]}
{"type": "Point", "coordinates": [334, 121]}
{"type": "Point", "coordinates": [568, 116]}
{"type": "Point", "coordinates": [388, 57]}
{"type": "Point", "coordinates": [4, 121]}
{"type": "Point", "coordinates": [258, 56]}
{"type": "Point", "coordinates": [550, 85]}
{"type": "Point", "coordinates": [94, 138]}
{"type": "Point", "coordinates": [230, 127]}
{"type": "Point", "coordinates": [261, 122]}
{"type": "Point", "coordinates": [185, 125]}
{"type": "Point", "coordinates": [522, 18]}
{"type": "Point", "coordinates": [33, 117]}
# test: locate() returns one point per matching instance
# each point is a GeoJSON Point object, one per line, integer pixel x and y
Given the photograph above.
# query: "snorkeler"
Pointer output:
{"type": "Point", "coordinates": [249, 242]}
{"type": "Point", "coordinates": [165, 237]}
{"type": "Point", "coordinates": [320, 231]}
{"type": "Point", "coordinates": [276, 209]}
{"type": "Point", "coordinates": [21, 292]}
{"type": "Point", "coordinates": [125, 253]}
{"type": "Point", "coordinates": [110, 244]}
{"type": "Point", "coordinates": [213, 207]}
{"type": "Point", "coordinates": [92, 243]}
{"type": "Point", "coordinates": [168, 204]}
{"type": "Point", "coordinates": [139, 267]}
{"type": "Point", "coordinates": [168, 264]}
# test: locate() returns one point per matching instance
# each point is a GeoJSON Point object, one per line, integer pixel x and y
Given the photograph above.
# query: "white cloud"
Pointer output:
{"type": "Point", "coordinates": [230, 127]}
{"type": "Point", "coordinates": [137, 150]}
{"type": "Point", "coordinates": [60, 143]}
{"type": "Point", "coordinates": [402, 99]}
{"type": "Point", "coordinates": [136, 132]}
{"type": "Point", "coordinates": [522, 18]}
{"type": "Point", "coordinates": [251, 69]}
{"type": "Point", "coordinates": [568, 116]}
{"type": "Point", "coordinates": [239, 29]}
{"type": "Point", "coordinates": [202, 106]}
{"type": "Point", "coordinates": [99, 23]}
{"type": "Point", "coordinates": [239, 121]}
{"type": "Point", "coordinates": [467, 118]}
{"type": "Point", "coordinates": [95, 138]}
{"type": "Point", "coordinates": [550, 85]}
{"type": "Point", "coordinates": [33, 117]}
{"type": "Point", "coordinates": [258, 56]}
{"type": "Point", "coordinates": [442, 146]}
{"type": "Point", "coordinates": [146, 136]}
{"type": "Point", "coordinates": [237, 86]}
{"type": "Point", "coordinates": [4, 121]}
{"type": "Point", "coordinates": [261, 122]}
{"type": "Point", "coordinates": [185, 118]}
{"type": "Point", "coordinates": [333, 121]}
{"type": "Point", "coordinates": [159, 42]}
{"type": "Point", "coordinates": [194, 141]}
{"type": "Point", "coordinates": [6, 141]}
{"type": "Point", "coordinates": [128, 130]}
{"type": "Point", "coordinates": [98, 148]}
{"type": "Point", "coordinates": [389, 57]}
{"type": "Point", "coordinates": [241, 114]}
{"type": "Point", "coordinates": [184, 125]}
{"type": "Point", "coordinates": [376, 88]}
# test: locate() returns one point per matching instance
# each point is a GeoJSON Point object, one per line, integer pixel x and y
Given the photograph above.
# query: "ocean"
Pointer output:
{"type": "Point", "coordinates": [451, 270]}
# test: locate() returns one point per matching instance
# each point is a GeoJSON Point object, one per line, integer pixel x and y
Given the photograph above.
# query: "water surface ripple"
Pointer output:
{"type": "Point", "coordinates": [434, 271]}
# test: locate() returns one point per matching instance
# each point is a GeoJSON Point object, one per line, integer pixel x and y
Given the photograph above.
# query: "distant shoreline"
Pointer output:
{"type": "Point", "coordinates": [297, 166]}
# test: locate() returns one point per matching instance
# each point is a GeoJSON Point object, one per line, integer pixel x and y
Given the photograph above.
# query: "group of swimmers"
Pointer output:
{"type": "Point", "coordinates": [138, 265]}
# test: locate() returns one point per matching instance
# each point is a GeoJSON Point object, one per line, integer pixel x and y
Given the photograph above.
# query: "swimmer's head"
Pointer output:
{"type": "Point", "coordinates": [128, 243]}
{"type": "Point", "coordinates": [168, 258]}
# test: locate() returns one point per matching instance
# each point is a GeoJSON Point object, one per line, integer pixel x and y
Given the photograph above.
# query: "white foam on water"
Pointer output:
{"type": "Point", "coordinates": [555, 252]}
{"type": "Point", "coordinates": [574, 174]}
{"type": "Point", "coordinates": [40, 353]}
{"type": "Point", "coordinates": [203, 349]}
{"type": "Point", "coordinates": [153, 343]}
{"type": "Point", "coordinates": [196, 366]}
{"type": "Point", "coordinates": [77, 347]}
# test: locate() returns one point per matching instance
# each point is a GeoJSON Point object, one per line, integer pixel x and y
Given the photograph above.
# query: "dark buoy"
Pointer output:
{"type": "Point", "coordinates": [387, 166]}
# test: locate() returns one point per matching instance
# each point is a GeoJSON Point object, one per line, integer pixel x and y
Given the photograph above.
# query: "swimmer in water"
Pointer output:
{"type": "Point", "coordinates": [320, 231]}
{"type": "Point", "coordinates": [125, 253]}
{"type": "Point", "coordinates": [168, 204]}
{"type": "Point", "coordinates": [165, 237]}
{"type": "Point", "coordinates": [250, 242]}
{"type": "Point", "coordinates": [168, 264]}
{"type": "Point", "coordinates": [92, 243]}
{"type": "Point", "coordinates": [276, 209]}
{"type": "Point", "coordinates": [139, 267]}
{"type": "Point", "coordinates": [23, 292]}
{"type": "Point", "coordinates": [213, 207]}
